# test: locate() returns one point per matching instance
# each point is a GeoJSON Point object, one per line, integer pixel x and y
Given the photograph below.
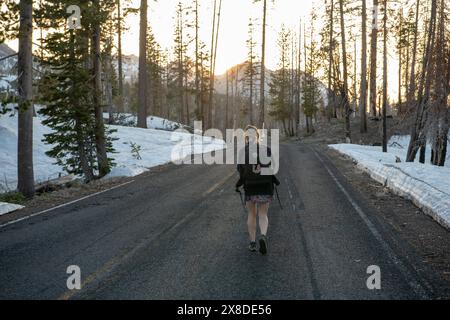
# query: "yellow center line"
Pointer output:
{"type": "Point", "coordinates": [109, 265]}
{"type": "Point", "coordinates": [218, 184]}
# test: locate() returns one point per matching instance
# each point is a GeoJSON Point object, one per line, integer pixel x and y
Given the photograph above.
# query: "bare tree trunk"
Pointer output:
{"type": "Point", "coordinates": [363, 86]}
{"type": "Point", "coordinates": [345, 83]}
{"type": "Point", "coordinates": [384, 140]}
{"type": "Point", "coordinates": [406, 72]}
{"type": "Point", "coordinates": [119, 57]}
{"type": "Point", "coordinates": [227, 100]}
{"type": "Point", "coordinates": [373, 60]}
{"type": "Point", "coordinates": [142, 94]}
{"type": "Point", "coordinates": [263, 67]}
{"type": "Point", "coordinates": [237, 95]}
{"type": "Point", "coordinates": [299, 80]}
{"type": "Point", "coordinates": [211, 67]}
{"type": "Point", "coordinates": [25, 171]}
{"type": "Point", "coordinates": [412, 77]}
{"type": "Point", "coordinates": [197, 75]}
{"type": "Point", "coordinates": [213, 110]}
{"type": "Point", "coordinates": [400, 60]}
{"type": "Point", "coordinates": [100, 143]}
{"type": "Point", "coordinates": [330, 64]}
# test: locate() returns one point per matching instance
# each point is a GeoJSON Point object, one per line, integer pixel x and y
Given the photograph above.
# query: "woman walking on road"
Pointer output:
{"type": "Point", "coordinates": [258, 188]}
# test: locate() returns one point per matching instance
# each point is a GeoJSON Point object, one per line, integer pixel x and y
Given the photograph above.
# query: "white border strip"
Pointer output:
{"type": "Point", "coordinates": [64, 204]}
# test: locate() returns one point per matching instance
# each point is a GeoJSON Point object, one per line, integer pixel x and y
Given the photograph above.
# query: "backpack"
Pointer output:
{"type": "Point", "coordinates": [250, 174]}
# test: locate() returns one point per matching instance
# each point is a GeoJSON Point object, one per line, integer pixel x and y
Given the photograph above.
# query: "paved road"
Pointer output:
{"type": "Point", "coordinates": [180, 234]}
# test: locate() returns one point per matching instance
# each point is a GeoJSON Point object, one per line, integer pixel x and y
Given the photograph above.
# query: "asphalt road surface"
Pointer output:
{"type": "Point", "coordinates": [180, 233]}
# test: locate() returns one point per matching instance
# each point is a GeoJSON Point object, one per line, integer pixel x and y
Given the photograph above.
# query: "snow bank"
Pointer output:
{"type": "Point", "coordinates": [426, 185]}
{"type": "Point", "coordinates": [44, 169]}
{"type": "Point", "coordinates": [156, 147]}
{"type": "Point", "coordinates": [153, 122]}
{"type": "Point", "coordinates": [8, 207]}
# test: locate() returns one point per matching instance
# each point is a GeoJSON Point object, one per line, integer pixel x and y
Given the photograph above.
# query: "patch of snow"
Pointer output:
{"type": "Point", "coordinates": [428, 186]}
{"type": "Point", "coordinates": [6, 82]}
{"type": "Point", "coordinates": [156, 148]}
{"type": "Point", "coordinates": [9, 207]}
{"type": "Point", "coordinates": [153, 122]}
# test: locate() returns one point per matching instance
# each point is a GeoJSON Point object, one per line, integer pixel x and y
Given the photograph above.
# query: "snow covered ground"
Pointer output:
{"type": "Point", "coordinates": [6, 82]}
{"type": "Point", "coordinates": [8, 207]}
{"type": "Point", "coordinates": [153, 122]}
{"type": "Point", "coordinates": [156, 148]}
{"type": "Point", "coordinates": [426, 185]}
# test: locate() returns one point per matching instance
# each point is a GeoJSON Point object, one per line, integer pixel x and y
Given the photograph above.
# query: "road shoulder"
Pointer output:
{"type": "Point", "coordinates": [76, 191]}
{"type": "Point", "coordinates": [429, 239]}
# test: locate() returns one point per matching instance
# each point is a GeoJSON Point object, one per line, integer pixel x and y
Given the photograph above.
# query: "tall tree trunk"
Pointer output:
{"type": "Point", "coordinates": [142, 90]}
{"type": "Point", "coordinates": [363, 85]}
{"type": "Point", "coordinates": [412, 78]}
{"type": "Point", "coordinates": [406, 70]}
{"type": "Point", "coordinates": [211, 67]}
{"type": "Point", "coordinates": [263, 67]}
{"type": "Point", "coordinates": [345, 80]}
{"type": "Point", "coordinates": [213, 110]}
{"type": "Point", "coordinates": [400, 60]}
{"type": "Point", "coordinates": [100, 142]}
{"type": "Point", "coordinates": [197, 57]}
{"type": "Point", "coordinates": [330, 64]}
{"type": "Point", "coordinates": [355, 81]}
{"type": "Point", "coordinates": [227, 99]}
{"type": "Point", "coordinates": [251, 89]}
{"type": "Point", "coordinates": [119, 57]}
{"type": "Point", "coordinates": [25, 83]}
{"type": "Point", "coordinates": [373, 60]}
{"type": "Point", "coordinates": [384, 140]}
{"type": "Point", "coordinates": [299, 80]}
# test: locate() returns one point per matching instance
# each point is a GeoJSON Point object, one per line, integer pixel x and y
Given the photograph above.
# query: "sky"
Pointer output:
{"type": "Point", "coordinates": [233, 30]}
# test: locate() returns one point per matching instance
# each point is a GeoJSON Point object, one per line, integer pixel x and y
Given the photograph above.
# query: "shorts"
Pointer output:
{"type": "Point", "coordinates": [259, 198]}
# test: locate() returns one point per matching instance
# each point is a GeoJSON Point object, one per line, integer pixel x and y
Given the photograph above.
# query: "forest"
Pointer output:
{"type": "Point", "coordinates": [334, 64]}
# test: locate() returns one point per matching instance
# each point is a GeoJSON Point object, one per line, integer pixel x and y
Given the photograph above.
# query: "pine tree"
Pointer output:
{"type": "Point", "coordinates": [67, 90]}
{"type": "Point", "coordinates": [155, 74]}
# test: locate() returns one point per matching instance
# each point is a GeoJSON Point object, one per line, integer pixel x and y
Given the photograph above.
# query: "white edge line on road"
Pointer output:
{"type": "Point", "coordinates": [64, 204]}
{"type": "Point", "coordinates": [109, 265]}
{"type": "Point", "coordinates": [417, 287]}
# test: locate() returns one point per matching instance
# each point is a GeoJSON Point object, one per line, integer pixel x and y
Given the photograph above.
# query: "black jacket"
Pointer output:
{"type": "Point", "coordinates": [254, 183]}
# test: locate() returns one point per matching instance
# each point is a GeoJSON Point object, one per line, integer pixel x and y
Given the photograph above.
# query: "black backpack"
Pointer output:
{"type": "Point", "coordinates": [251, 176]}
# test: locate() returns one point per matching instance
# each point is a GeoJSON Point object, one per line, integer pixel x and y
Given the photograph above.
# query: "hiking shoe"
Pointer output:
{"type": "Point", "coordinates": [252, 246]}
{"type": "Point", "coordinates": [263, 244]}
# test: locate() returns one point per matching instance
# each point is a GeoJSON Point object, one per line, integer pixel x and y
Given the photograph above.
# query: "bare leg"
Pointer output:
{"type": "Point", "coordinates": [263, 208]}
{"type": "Point", "coordinates": [251, 221]}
